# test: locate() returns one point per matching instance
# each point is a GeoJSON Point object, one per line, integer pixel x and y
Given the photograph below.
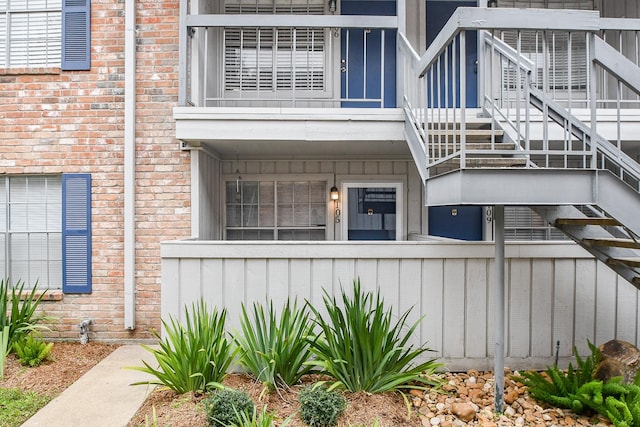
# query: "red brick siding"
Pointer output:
{"type": "Point", "coordinates": [70, 122]}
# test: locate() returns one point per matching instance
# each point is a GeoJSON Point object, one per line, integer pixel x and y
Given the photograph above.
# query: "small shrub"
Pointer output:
{"type": "Point", "coordinates": [195, 355]}
{"type": "Point", "coordinates": [275, 349]}
{"type": "Point", "coordinates": [365, 349]}
{"type": "Point", "coordinates": [32, 351]}
{"type": "Point", "coordinates": [225, 407]}
{"type": "Point", "coordinates": [320, 407]}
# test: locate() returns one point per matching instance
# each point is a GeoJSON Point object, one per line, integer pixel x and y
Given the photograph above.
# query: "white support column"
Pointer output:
{"type": "Point", "coordinates": [498, 356]}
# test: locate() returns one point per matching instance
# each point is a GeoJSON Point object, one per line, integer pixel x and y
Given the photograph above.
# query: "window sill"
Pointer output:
{"type": "Point", "coordinates": [51, 295]}
{"type": "Point", "coordinates": [29, 71]}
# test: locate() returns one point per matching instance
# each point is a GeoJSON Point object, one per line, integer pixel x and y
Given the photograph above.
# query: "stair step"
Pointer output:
{"type": "Point", "coordinates": [488, 162]}
{"type": "Point", "coordinates": [612, 241]}
{"type": "Point", "coordinates": [587, 221]}
{"type": "Point", "coordinates": [476, 146]}
{"type": "Point", "coordinates": [472, 134]}
{"type": "Point", "coordinates": [626, 261]}
{"type": "Point", "coordinates": [636, 281]}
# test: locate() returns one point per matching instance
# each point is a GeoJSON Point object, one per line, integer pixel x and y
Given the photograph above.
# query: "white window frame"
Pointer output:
{"type": "Point", "coordinates": [285, 94]}
{"type": "Point", "coordinates": [25, 45]}
{"type": "Point", "coordinates": [400, 208]}
{"type": "Point", "coordinates": [52, 229]}
{"type": "Point", "coordinates": [328, 235]}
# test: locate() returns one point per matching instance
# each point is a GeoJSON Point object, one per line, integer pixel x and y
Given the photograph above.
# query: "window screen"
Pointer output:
{"type": "Point", "coordinates": [30, 33]}
{"type": "Point", "coordinates": [276, 210]}
{"type": "Point", "coordinates": [31, 230]}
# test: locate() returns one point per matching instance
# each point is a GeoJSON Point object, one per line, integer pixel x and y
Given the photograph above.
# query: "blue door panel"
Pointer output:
{"type": "Point", "coordinates": [438, 12]}
{"type": "Point", "coordinates": [361, 79]}
{"type": "Point", "coordinates": [456, 222]}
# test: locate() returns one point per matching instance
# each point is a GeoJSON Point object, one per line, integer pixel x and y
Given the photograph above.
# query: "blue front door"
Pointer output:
{"type": "Point", "coordinates": [368, 58]}
{"type": "Point", "coordinates": [438, 12]}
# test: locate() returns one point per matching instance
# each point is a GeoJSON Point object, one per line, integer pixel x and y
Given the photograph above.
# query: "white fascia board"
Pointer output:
{"type": "Point", "coordinates": [306, 21]}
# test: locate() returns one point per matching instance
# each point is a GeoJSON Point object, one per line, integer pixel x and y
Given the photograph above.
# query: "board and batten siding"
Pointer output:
{"type": "Point", "coordinates": [554, 291]}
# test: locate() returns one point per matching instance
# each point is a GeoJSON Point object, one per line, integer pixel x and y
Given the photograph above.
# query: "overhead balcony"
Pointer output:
{"type": "Point", "coordinates": [289, 79]}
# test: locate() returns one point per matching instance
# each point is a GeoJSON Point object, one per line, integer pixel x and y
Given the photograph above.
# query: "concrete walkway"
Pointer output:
{"type": "Point", "coordinates": [103, 397]}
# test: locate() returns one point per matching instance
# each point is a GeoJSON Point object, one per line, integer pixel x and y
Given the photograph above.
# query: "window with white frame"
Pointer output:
{"type": "Point", "coordinates": [276, 210]}
{"type": "Point", "coordinates": [31, 230]}
{"type": "Point", "coordinates": [30, 33]}
{"type": "Point", "coordinates": [269, 60]}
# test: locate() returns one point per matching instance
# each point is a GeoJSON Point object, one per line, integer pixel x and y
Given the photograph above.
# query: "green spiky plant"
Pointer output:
{"type": "Point", "coordinates": [563, 389]}
{"type": "Point", "coordinates": [274, 349]}
{"type": "Point", "coordinates": [195, 355]}
{"type": "Point", "coordinates": [18, 315]}
{"type": "Point", "coordinates": [18, 309]}
{"type": "Point", "coordinates": [364, 349]}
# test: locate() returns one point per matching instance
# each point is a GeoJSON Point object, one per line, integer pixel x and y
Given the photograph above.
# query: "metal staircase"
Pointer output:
{"type": "Point", "coordinates": [580, 182]}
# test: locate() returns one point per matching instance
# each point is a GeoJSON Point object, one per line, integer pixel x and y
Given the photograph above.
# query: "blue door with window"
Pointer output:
{"type": "Point", "coordinates": [368, 58]}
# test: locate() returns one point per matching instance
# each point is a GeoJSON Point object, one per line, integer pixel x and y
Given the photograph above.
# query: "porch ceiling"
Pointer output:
{"type": "Point", "coordinates": [282, 133]}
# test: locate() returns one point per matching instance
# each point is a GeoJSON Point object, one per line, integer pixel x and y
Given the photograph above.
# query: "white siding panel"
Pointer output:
{"type": "Point", "coordinates": [542, 308]}
{"type": "Point", "coordinates": [387, 279]}
{"type": "Point", "coordinates": [519, 320]}
{"type": "Point", "coordinates": [585, 304]}
{"type": "Point", "coordinates": [454, 300]}
{"type": "Point", "coordinates": [278, 279]}
{"type": "Point", "coordinates": [563, 305]}
{"type": "Point", "coordinates": [256, 281]}
{"type": "Point", "coordinates": [431, 303]}
{"type": "Point", "coordinates": [408, 276]}
{"type": "Point", "coordinates": [190, 271]}
{"type": "Point", "coordinates": [300, 278]}
{"type": "Point", "coordinates": [626, 329]}
{"type": "Point", "coordinates": [476, 308]}
{"type": "Point", "coordinates": [234, 294]}
{"type": "Point", "coordinates": [213, 281]}
{"type": "Point", "coordinates": [605, 315]}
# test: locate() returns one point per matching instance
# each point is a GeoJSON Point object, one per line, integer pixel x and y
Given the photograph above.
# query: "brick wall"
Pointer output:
{"type": "Point", "coordinates": [70, 122]}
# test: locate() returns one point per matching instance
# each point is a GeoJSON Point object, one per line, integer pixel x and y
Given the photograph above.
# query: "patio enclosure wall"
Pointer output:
{"type": "Point", "coordinates": [555, 291]}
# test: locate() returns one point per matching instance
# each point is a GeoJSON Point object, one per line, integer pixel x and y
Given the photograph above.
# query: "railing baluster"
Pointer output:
{"type": "Point", "coordinates": [463, 100]}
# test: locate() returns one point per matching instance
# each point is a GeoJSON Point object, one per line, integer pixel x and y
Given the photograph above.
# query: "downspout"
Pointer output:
{"type": "Point", "coordinates": [129, 164]}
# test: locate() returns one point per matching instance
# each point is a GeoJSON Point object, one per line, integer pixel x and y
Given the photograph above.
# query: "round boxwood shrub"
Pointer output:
{"type": "Point", "coordinates": [225, 407]}
{"type": "Point", "coordinates": [320, 407]}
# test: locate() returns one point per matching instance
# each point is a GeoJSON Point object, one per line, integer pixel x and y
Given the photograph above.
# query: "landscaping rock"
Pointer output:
{"type": "Point", "coordinates": [464, 411]}
{"type": "Point", "coordinates": [619, 358]}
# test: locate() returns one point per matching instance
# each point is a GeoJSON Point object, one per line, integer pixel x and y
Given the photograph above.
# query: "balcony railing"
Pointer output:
{"type": "Point", "coordinates": [289, 60]}
{"type": "Point", "coordinates": [555, 76]}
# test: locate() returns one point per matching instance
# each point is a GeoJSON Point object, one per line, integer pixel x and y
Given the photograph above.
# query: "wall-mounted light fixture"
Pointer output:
{"type": "Point", "coordinates": [332, 5]}
{"type": "Point", "coordinates": [333, 193]}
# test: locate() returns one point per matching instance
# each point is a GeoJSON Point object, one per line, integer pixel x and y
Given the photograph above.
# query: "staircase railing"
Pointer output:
{"type": "Point", "coordinates": [540, 76]}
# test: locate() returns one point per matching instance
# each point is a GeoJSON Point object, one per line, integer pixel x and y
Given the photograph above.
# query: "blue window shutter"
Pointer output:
{"type": "Point", "coordinates": [76, 34]}
{"type": "Point", "coordinates": [76, 233]}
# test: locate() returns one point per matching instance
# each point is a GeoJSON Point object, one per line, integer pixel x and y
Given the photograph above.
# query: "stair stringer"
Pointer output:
{"type": "Point", "coordinates": [578, 233]}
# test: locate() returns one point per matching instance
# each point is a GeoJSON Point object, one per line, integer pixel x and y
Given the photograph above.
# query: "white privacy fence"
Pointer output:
{"type": "Point", "coordinates": [555, 291]}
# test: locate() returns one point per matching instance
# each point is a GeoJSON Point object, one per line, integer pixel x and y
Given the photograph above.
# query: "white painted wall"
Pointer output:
{"type": "Point", "coordinates": [555, 291]}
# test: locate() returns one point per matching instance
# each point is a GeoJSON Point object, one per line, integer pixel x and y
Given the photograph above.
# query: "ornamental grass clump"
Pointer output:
{"type": "Point", "coordinates": [196, 353]}
{"type": "Point", "coordinates": [364, 349]}
{"type": "Point", "coordinates": [275, 348]}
